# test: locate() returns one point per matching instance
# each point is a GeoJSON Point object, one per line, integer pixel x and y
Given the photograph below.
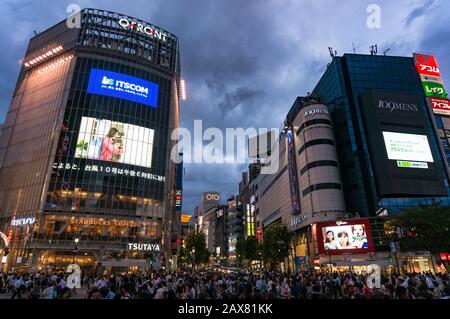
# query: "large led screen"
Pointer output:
{"type": "Point", "coordinates": [403, 159]}
{"type": "Point", "coordinates": [112, 141]}
{"type": "Point", "coordinates": [123, 87]}
{"type": "Point", "coordinates": [408, 147]}
{"type": "Point", "coordinates": [343, 237]}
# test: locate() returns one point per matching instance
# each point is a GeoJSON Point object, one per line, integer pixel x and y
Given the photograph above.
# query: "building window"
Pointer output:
{"type": "Point", "coordinates": [312, 122]}
{"type": "Point", "coordinates": [321, 186]}
{"type": "Point", "coordinates": [315, 142]}
{"type": "Point", "coordinates": [317, 164]}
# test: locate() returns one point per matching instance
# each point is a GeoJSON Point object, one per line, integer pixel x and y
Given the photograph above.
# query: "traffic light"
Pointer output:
{"type": "Point", "coordinates": [150, 261]}
{"type": "Point", "coordinates": [390, 259]}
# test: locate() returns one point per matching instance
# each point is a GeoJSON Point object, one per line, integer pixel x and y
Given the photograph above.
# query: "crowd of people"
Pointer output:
{"type": "Point", "coordinates": [210, 284]}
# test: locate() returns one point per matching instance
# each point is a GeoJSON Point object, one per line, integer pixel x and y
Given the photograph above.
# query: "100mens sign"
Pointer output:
{"type": "Point", "coordinates": [393, 105]}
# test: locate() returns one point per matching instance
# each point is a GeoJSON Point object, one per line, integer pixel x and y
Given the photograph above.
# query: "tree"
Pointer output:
{"type": "Point", "coordinates": [196, 242]}
{"type": "Point", "coordinates": [276, 243]}
{"type": "Point", "coordinates": [240, 249]}
{"type": "Point", "coordinates": [426, 227]}
{"type": "Point", "coordinates": [248, 249]}
{"type": "Point", "coordinates": [183, 258]}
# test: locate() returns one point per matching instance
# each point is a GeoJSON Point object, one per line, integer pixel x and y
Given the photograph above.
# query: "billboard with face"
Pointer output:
{"type": "Point", "coordinates": [112, 141]}
{"type": "Point", "coordinates": [344, 237]}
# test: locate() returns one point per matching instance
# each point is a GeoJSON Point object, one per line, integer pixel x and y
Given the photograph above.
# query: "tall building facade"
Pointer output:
{"type": "Point", "coordinates": [85, 150]}
{"type": "Point", "coordinates": [370, 99]}
{"type": "Point", "coordinates": [359, 149]}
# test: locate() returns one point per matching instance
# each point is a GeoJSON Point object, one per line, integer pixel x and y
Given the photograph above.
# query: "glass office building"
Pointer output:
{"type": "Point", "coordinates": [85, 150]}
{"type": "Point", "coordinates": [353, 85]}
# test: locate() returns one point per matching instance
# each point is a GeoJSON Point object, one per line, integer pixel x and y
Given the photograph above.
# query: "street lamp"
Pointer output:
{"type": "Point", "coordinates": [76, 241]}
{"type": "Point", "coordinates": [193, 258]}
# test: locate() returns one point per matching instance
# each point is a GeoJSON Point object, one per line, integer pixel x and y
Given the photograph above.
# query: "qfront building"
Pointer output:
{"type": "Point", "coordinates": [85, 169]}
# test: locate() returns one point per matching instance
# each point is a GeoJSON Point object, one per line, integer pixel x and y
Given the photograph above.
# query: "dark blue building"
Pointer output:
{"type": "Point", "coordinates": [346, 86]}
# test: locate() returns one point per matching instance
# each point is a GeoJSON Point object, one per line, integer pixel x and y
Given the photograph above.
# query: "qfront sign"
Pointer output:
{"type": "Point", "coordinates": [23, 221]}
{"type": "Point", "coordinates": [145, 29]}
{"type": "Point", "coordinates": [140, 28]}
{"type": "Point", "coordinates": [123, 86]}
{"type": "Point", "coordinates": [143, 247]}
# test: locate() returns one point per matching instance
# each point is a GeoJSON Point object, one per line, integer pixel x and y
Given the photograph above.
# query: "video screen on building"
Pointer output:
{"type": "Point", "coordinates": [408, 147]}
{"type": "Point", "coordinates": [111, 141]}
{"type": "Point", "coordinates": [399, 134]}
{"type": "Point", "coordinates": [123, 86]}
{"type": "Point", "coordinates": [343, 237]}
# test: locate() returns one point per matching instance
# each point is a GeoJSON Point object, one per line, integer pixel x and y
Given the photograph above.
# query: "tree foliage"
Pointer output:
{"type": "Point", "coordinates": [276, 243]}
{"type": "Point", "coordinates": [248, 249]}
{"type": "Point", "coordinates": [422, 228]}
{"type": "Point", "coordinates": [197, 241]}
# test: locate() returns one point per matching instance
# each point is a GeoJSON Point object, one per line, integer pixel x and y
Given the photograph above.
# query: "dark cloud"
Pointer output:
{"type": "Point", "coordinates": [239, 97]}
{"type": "Point", "coordinates": [418, 12]}
{"type": "Point", "coordinates": [244, 62]}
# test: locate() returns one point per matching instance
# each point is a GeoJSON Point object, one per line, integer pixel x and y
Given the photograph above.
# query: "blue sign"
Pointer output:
{"type": "Point", "coordinates": [123, 87]}
{"type": "Point", "coordinates": [295, 198]}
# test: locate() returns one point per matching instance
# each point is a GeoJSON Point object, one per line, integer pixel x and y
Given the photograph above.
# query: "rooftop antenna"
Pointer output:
{"type": "Point", "coordinates": [354, 50]}
{"type": "Point", "coordinates": [386, 51]}
{"type": "Point", "coordinates": [373, 49]}
{"type": "Point", "coordinates": [332, 54]}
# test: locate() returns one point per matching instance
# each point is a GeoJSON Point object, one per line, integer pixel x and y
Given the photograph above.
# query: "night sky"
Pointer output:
{"type": "Point", "coordinates": [245, 62]}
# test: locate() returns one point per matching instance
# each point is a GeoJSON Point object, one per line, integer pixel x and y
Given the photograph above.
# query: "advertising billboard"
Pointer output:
{"type": "Point", "coordinates": [408, 147]}
{"type": "Point", "coordinates": [432, 89]}
{"type": "Point", "coordinates": [440, 106]}
{"type": "Point", "coordinates": [295, 198]}
{"type": "Point", "coordinates": [426, 65]}
{"type": "Point", "coordinates": [112, 141]}
{"type": "Point", "coordinates": [185, 218]}
{"type": "Point", "coordinates": [345, 237]}
{"type": "Point", "coordinates": [123, 86]}
{"type": "Point", "coordinates": [399, 142]}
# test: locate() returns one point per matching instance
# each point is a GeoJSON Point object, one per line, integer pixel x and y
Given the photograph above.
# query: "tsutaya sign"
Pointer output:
{"type": "Point", "coordinates": [23, 221]}
{"type": "Point", "coordinates": [143, 247]}
{"type": "Point", "coordinates": [127, 24]}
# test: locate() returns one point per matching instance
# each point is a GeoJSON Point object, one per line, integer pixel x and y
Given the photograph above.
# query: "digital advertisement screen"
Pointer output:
{"type": "Point", "coordinates": [403, 160]}
{"type": "Point", "coordinates": [118, 142]}
{"type": "Point", "coordinates": [408, 147]}
{"type": "Point", "coordinates": [343, 237]}
{"type": "Point", "coordinates": [123, 87]}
